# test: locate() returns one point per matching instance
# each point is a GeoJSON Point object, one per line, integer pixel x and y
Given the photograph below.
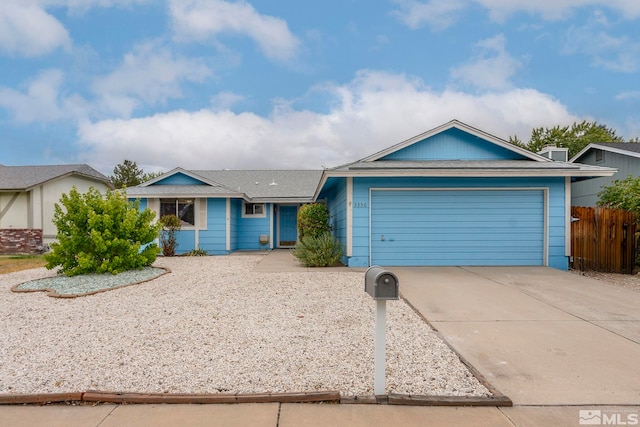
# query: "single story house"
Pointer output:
{"type": "Point", "coordinates": [454, 195]}
{"type": "Point", "coordinates": [28, 195]}
{"type": "Point", "coordinates": [623, 156]}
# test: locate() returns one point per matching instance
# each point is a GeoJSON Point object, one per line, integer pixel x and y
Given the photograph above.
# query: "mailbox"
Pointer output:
{"type": "Point", "coordinates": [380, 283]}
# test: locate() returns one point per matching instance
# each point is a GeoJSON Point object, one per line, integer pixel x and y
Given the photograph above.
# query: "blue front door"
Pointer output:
{"type": "Point", "coordinates": [287, 225]}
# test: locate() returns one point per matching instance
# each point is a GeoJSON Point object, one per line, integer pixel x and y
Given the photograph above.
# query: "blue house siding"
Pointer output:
{"type": "Point", "coordinates": [250, 229]}
{"type": "Point", "coordinates": [555, 209]}
{"type": "Point", "coordinates": [179, 179]}
{"type": "Point", "coordinates": [337, 204]}
{"type": "Point", "coordinates": [186, 241]}
{"type": "Point", "coordinates": [235, 208]}
{"type": "Point", "coordinates": [453, 144]}
{"type": "Point", "coordinates": [214, 238]}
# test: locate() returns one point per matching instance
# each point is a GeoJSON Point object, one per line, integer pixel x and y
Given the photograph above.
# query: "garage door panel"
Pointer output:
{"type": "Point", "coordinates": [457, 227]}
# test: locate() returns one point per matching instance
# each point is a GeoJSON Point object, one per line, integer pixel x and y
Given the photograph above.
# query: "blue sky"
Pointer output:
{"type": "Point", "coordinates": [208, 84]}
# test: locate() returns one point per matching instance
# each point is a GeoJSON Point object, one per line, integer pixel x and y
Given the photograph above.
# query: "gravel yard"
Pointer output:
{"type": "Point", "coordinates": [214, 325]}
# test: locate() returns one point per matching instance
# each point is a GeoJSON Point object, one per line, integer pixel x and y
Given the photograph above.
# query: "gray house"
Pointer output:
{"type": "Point", "coordinates": [623, 156]}
{"type": "Point", "coordinates": [28, 195]}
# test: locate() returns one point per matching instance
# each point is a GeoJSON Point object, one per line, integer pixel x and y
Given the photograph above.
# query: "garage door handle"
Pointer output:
{"type": "Point", "coordinates": [382, 237]}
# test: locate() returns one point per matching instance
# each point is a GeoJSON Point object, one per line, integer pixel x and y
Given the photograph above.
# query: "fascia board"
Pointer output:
{"type": "Point", "coordinates": [605, 148]}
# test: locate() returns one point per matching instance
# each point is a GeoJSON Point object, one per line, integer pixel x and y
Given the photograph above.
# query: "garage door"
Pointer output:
{"type": "Point", "coordinates": [457, 227]}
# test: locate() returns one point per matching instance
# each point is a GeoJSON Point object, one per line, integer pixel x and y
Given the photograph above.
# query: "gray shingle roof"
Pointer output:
{"type": "Point", "coordinates": [627, 146]}
{"type": "Point", "coordinates": [267, 184]}
{"type": "Point", "coordinates": [175, 190]}
{"type": "Point", "coordinates": [25, 177]}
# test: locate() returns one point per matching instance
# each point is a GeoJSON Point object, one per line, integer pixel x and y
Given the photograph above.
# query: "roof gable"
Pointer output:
{"type": "Point", "coordinates": [625, 148]}
{"type": "Point", "coordinates": [454, 141]}
{"type": "Point", "coordinates": [453, 144]}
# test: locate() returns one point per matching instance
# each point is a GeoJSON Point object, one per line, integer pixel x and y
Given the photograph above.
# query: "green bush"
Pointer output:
{"type": "Point", "coordinates": [313, 220]}
{"type": "Point", "coordinates": [101, 234]}
{"type": "Point", "coordinates": [196, 252]}
{"type": "Point", "coordinates": [170, 226]}
{"type": "Point", "coordinates": [321, 251]}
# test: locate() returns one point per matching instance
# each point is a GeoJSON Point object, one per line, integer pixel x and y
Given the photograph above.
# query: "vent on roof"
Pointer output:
{"type": "Point", "coordinates": [554, 153]}
{"type": "Point", "coordinates": [273, 182]}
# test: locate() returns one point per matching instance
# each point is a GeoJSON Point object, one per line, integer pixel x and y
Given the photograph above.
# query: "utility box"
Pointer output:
{"type": "Point", "coordinates": [381, 284]}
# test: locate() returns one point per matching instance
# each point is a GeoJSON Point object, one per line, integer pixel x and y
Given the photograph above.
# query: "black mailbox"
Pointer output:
{"type": "Point", "coordinates": [380, 283]}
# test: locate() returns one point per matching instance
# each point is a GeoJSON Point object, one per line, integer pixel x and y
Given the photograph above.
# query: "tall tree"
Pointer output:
{"type": "Point", "coordinates": [127, 174]}
{"type": "Point", "coordinates": [574, 137]}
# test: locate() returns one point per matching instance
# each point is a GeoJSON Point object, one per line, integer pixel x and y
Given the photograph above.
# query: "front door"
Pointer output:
{"type": "Point", "coordinates": [287, 225]}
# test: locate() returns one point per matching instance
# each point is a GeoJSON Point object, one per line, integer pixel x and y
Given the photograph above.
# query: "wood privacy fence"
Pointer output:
{"type": "Point", "coordinates": [603, 239]}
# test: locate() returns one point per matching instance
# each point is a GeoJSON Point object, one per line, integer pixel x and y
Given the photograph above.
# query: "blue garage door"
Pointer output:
{"type": "Point", "coordinates": [457, 227]}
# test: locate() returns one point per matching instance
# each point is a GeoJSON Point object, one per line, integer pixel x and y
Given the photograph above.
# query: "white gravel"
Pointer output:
{"type": "Point", "coordinates": [214, 325]}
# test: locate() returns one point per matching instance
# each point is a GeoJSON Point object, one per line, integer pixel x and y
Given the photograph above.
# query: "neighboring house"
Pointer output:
{"type": "Point", "coordinates": [451, 196]}
{"type": "Point", "coordinates": [623, 156]}
{"type": "Point", "coordinates": [28, 195]}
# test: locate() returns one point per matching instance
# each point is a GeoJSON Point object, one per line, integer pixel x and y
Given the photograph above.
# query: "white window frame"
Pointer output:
{"type": "Point", "coordinates": [254, 215]}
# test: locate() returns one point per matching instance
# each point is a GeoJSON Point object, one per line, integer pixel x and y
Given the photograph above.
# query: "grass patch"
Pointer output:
{"type": "Point", "coordinates": [13, 263]}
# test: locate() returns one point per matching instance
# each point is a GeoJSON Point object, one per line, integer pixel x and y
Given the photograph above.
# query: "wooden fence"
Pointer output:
{"type": "Point", "coordinates": [603, 239]}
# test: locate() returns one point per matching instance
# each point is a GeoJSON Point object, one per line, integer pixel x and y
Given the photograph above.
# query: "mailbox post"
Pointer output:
{"type": "Point", "coordinates": [382, 285]}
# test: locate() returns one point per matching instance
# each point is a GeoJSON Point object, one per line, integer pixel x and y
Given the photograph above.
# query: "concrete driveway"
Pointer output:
{"type": "Point", "coordinates": [539, 335]}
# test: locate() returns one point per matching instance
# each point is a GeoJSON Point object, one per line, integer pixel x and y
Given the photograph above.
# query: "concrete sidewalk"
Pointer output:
{"type": "Point", "coordinates": [310, 415]}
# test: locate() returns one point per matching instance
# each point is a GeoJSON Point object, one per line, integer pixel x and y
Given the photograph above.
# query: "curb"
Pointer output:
{"type": "Point", "coordinates": [96, 396]}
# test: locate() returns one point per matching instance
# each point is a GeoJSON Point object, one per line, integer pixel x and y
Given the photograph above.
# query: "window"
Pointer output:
{"type": "Point", "coordinates": [599, 155]}
{"type": "Point", "coordinates": [182, 208]}
{"type": "Point", "coordinates": [253, 210]}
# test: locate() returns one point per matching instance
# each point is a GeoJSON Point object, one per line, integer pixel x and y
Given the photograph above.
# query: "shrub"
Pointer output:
{"type": "Point", "coordinates": [313, 220]}
{"type": "Point", "coordinates": [168, 241]}
{"type": "Point", "coordinates": [101, 234]}
{"type": "Point", "coordinates": [196, 252]}
{"type": "Point", "coordinates": [321, 251]}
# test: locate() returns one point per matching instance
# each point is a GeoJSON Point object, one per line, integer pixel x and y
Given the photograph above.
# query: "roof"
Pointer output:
{"type": "Point", "coordinates": [22, 178]}
{"type": "Point", "coordinates": [626, 148]}
{"type": "Point", "coordinates": [255, 185]}
{"type": "Point", "coordinates": [267, 184]}
{"type": "Point", "coordinates": [181, 191]}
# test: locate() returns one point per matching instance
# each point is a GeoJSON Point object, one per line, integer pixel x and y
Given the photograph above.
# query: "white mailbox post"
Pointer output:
{"type": "Point", "coordinates": [382, 285]}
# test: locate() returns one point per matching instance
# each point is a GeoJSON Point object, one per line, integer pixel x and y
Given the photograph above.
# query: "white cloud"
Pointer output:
{"type": "Point", "coordinates": [491, 68]}
{"type": "Point", "coordinates": [203, 20]}
{"type": "Point", "coordinates": [151, 74]}
{"type": "Point", "coordinates": [442, 14]}
{"type": "Point", "coordinates": [27, 30]}
{"type": "Point", "coordinates": [615, 53]}
{"type": "Point", "coordinates": [632, 94]}
{"type": "Point", "coordinates": [42, 101]}
{"type": "Point", "coordinates": [370, 113]}
{"type": "Point", "coordinates": [225, 100]}
{"type": "Point", "coordinates": [437, 14]}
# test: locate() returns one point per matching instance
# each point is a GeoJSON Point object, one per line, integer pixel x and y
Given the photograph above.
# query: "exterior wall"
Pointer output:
{"type": "Point", "coordinates": [250, 229]}
{"type": "Point", "coordinates": [453, 144]}
{"type": "Point", "coordinates": [236, 213]}
{"type": "Point", "coordinates": [20, 241]}
{"type": "Point", "coordinates": [585, 193]}
{"type": "Point", "coordinates": [16, 210]}
{"type": "Point", "coordinates": [556, 209]}
{"type": "Point", "coordinates": [178, 179]}
{"type": "Point", "coordinates": [337, 204]}
{"type": "Point", "coordinates": [214, 238]}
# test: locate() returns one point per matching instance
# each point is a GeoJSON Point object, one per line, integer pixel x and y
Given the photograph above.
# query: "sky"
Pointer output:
{"type": "Point", "coordinates": [289, 84]}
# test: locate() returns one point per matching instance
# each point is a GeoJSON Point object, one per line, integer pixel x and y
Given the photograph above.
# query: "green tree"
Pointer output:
{"type": "Point", "coordinates": [574, 137]}
{"type": "Point", "coordinates": [128, 174]}
{"type": "Point", "coordinates": [100, 234]}
{"type": "Point", "coordinates": [622, 194]}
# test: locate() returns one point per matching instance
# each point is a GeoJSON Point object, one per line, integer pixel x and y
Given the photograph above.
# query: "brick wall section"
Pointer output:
{"type": "Point", "coordinates": [20, 241]}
